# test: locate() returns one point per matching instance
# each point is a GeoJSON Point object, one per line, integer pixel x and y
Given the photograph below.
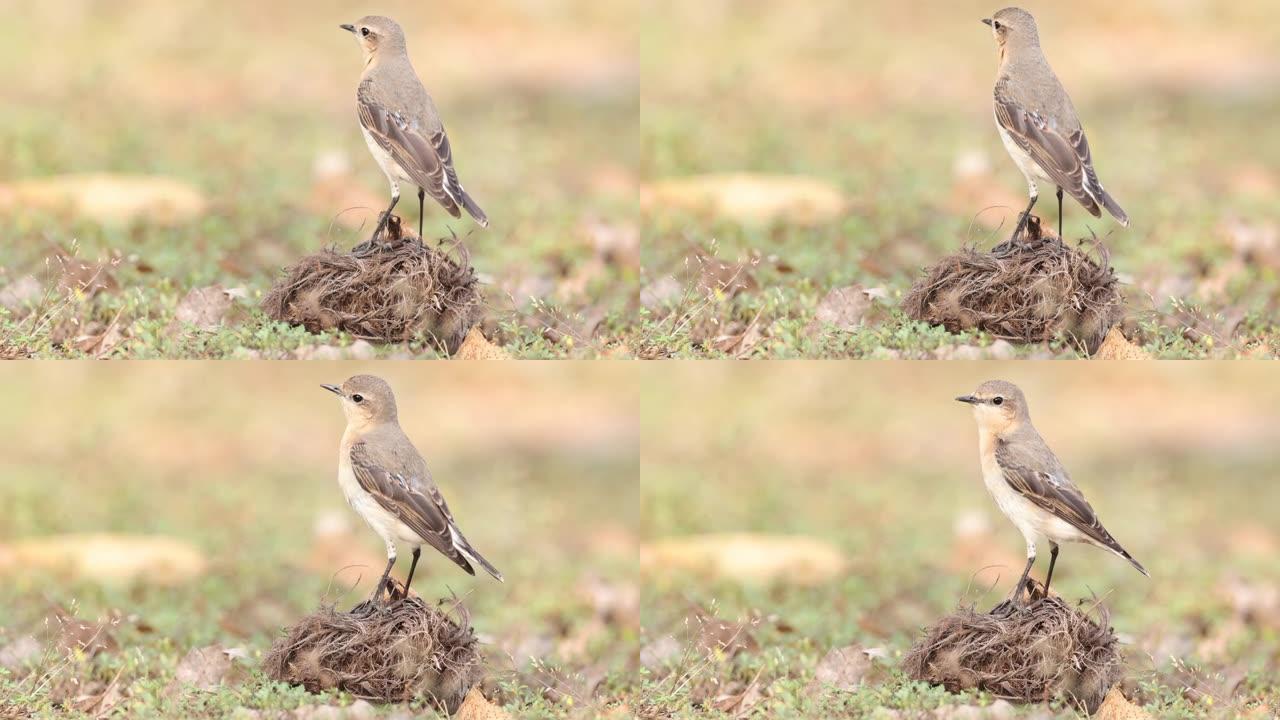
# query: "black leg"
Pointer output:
{"type": "Point", "coordinates": [1022, 219]}
{"type": "Point", "coordinates": [377, 592]}
{"type": "Point", "coordinates": [1059, 237]}
{"type": "Point", "coordinates": [1017, 590]}
{"type": "Point", "coordinates": [1053, 558]}
{"type": "Point", "coordinates": [386, 216]}
{"type": "Point", "coordinates": [421, 209]}
{"type": "Point", "coordinates": [412, 566]}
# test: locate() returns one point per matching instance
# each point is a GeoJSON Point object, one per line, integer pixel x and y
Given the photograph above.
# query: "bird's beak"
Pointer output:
{"type": "Point", "coordinates": [334, 389]}
{"type": "Point", "coordinates": [352, 28]}
{"type": "Point", "coordinates": [985, 21]}
{"type": "Point", "coordinates": [968, 399]}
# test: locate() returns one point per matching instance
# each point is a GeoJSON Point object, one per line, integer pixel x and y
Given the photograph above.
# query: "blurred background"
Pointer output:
{"type": "Point", "coordinates": [828, 144]}
{"type": "Point", "coordinates": [815, 506]}
{"type": "Point", "coordinates": [182, 505]}
{"type": "Point", "coordinates": [169, 146]}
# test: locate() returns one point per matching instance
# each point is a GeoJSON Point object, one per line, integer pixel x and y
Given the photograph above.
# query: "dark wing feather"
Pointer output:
{"type": "Point", "coordinates": [426, 159]}
{"type": "Point", "coordinates": [416, 504]}
{"type": "Point", "coordinates": [1063, 155]}
{"type": "Point", "coordinates": [1054, 492]}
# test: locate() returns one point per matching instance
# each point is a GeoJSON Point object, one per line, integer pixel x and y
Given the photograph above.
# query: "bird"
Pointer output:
{"type": "Point", "coordinates": [401, 125]}
{"type": "Point", "coordinates": [1038, 124]}
{"type": "Point", "coordinates": [387, 483]}
{"type": "Point", "coordinates": [1029, 483]}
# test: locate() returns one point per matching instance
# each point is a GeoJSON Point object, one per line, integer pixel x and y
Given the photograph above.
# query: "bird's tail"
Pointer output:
{"type": "Point", "coordinates": [1114, 547]}
{"type": "Point", "coordinates": [1118, 213]}
{"type": "Point", "coordinates": [464, 547]}
{"type": "Point", "coordinates": [474, 210]}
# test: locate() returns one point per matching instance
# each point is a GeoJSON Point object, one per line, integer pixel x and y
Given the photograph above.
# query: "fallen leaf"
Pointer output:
{"type": "Point", "coordinates": [107, 198]}
{"type": "Point", "coordinates": [842, 669]}
{"type": "Point", "coordinates": [841, 309]}
{"type": "Point", "coordinates": [207, 668]}
{"type": "Point", "coordinates": [747, 557]}
{"type": "Point", "coordinates": [476, 347]}
{"type": "Point", "coordinates": [106, 558]}
{"type": "Point", "coordinates": [721, 638]}
{"type": "Point", "coordinates": [203, 309]}
{"type": "Point", "coordinates": [750, 198]}
{"type": "Point", "coordinates": [1116, 347]}
{"type": "Point", "coordinates": [1116, 707]}
{"type": "Point", "coordinates": [81, 637]}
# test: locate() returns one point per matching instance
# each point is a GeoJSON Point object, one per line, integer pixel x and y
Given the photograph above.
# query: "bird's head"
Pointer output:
{"type": "Point", "coordinates": [376, 34]}
{"type": "Point", "coordinates": [1013, 27]}
{"type": "Point", "coordinates": [998, 406]}
{"type": "Point", "coordinates": [366, 400]}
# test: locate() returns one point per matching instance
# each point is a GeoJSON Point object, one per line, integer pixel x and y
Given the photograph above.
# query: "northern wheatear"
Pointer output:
{"type": "Point", "coordinates": [1038, 123]}
{"type": "Point", "coordinates": [401, 125]}
{"type": "Point", "coordinates": [387, 482]}
{"type": "Point", "coordinates": [1028, 482]}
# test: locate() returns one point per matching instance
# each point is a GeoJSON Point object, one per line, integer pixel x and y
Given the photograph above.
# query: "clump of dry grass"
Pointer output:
{"type": "Point", "coordinates": [392, 290]}
{"type": "Point", "coordinates": [1022, 654]}
{"type": "Point", "coordinates": [383, 653]}
{"type": "Point", "coordinates": [1030, 290]}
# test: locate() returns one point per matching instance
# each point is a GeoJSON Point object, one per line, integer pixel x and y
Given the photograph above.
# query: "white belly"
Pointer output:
{"type": "Point", "coordinates": [1031, 170]}
{"type": "Point", "coordinates": [388, 526]}
{"type": "Point", "coordinates": [388, 164]}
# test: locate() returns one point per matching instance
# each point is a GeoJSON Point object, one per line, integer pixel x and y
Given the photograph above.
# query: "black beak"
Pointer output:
{"type": "Point", "coordinates": [985, 21]}
{"type": "Point", "coordinates": [352, 28]}
{"type": "Point", "coordinates": [968, 399]}
{"type": "Point", "coordinates": [334, 389]}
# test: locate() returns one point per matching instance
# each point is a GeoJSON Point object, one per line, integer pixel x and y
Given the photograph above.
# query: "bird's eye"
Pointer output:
{"type": "Point", "coordinates": [995, 24]}
{"type": "Point", "coordinates": [997, 400]}
{"type": "Point", "coordinates": [364, 32]}
{"type": "Point", "coordinates": [357, 398]}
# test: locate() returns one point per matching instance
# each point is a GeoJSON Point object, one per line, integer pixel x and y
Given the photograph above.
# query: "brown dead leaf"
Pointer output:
{"type": "Point", "coordinates": [740, 699]}
{"type": "Point", "coordinates": [844, 669]}
{"type": "Point", "coordinates": [204, 308]}
{"type": "Point", "coordinates": [747, 557]}
{"type": "Point", "coordinates": [82, 637]}
{"type": "Point", "coordinates": [843, 309]}
{"type": "Point", "coordinates": [207, 668]}
{"type": "Point", "coordinates": [749, 198]}
{"type": "Point", "coordinates": [107, 198]}
{"type": "Point", "coordinates": [721, 638]}
{"type": "Point", "coordinates": [84, 278]}
{"type": "Point", "coordinates": [723, 278]}
{"type": "Point", "coordinates": [1116, 347]}
{"type": "Point", "coordinates": [1116, 707]}
{"type": "Point", "coordinates": [106, 558]}
{"type": "Point", "coordinates": [476, 347]}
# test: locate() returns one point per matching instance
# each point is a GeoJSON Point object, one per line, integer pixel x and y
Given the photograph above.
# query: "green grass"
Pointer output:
{"type": "Point", "coordinates": [230, 459]}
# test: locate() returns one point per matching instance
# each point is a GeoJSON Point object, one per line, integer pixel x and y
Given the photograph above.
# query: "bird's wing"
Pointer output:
{"type": "Point", "coordinates": [415, 501]}
{"type": "Point", "coordinates": [1048, 486]}
{"type": "Point", "coordinates": [424, 156]}
{"type": "Point", "coordinates": [1063, 154]}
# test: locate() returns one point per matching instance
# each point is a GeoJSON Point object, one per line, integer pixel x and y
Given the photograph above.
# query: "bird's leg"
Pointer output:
{"type": "Point", "coordinates": [1059, 237]}
{"type": "Point", "coordinates": [1053, 558]}
{"type": "Point", "coordinates": [422, 194]}
{"type": "Point", "coordinates": [1017, 589]}
{"type": "Point", "coordinates": [377, 591]}
{"type": "Point", "coordinates": [382, 221]}
{"type": "Point", "coordinates": [412, 566]}
{"type": "Point", "coordinates": [1022, 219]}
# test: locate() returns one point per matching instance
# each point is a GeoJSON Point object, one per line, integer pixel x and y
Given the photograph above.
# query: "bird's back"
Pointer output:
{"type": "Point", "coordinates": [390, 449]}
{"type": "Point", "coordinates": [1026, 79]}
{"type": "Point", "coordinates": [393, 84]}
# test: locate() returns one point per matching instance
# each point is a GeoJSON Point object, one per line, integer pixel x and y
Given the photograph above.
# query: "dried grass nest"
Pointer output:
{"type": "Point", "coordinates": [394, 288]}
{"type": "Point", "coordinates": [1027, 654]}
{"type": "Point", "coordinates": [1029, 290]}
{"type": "Point", "coordinates": [383, 653]}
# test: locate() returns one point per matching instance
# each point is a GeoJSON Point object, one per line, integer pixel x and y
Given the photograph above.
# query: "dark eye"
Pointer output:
{"type": "Point", "coordinates": [997, 400]}
{"type": "Point", "coordinates": [364, 32]}
{"type": "Point", "coordinates": [995, 24]}
{"type": "Point", "coordinates": [357, 398]}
